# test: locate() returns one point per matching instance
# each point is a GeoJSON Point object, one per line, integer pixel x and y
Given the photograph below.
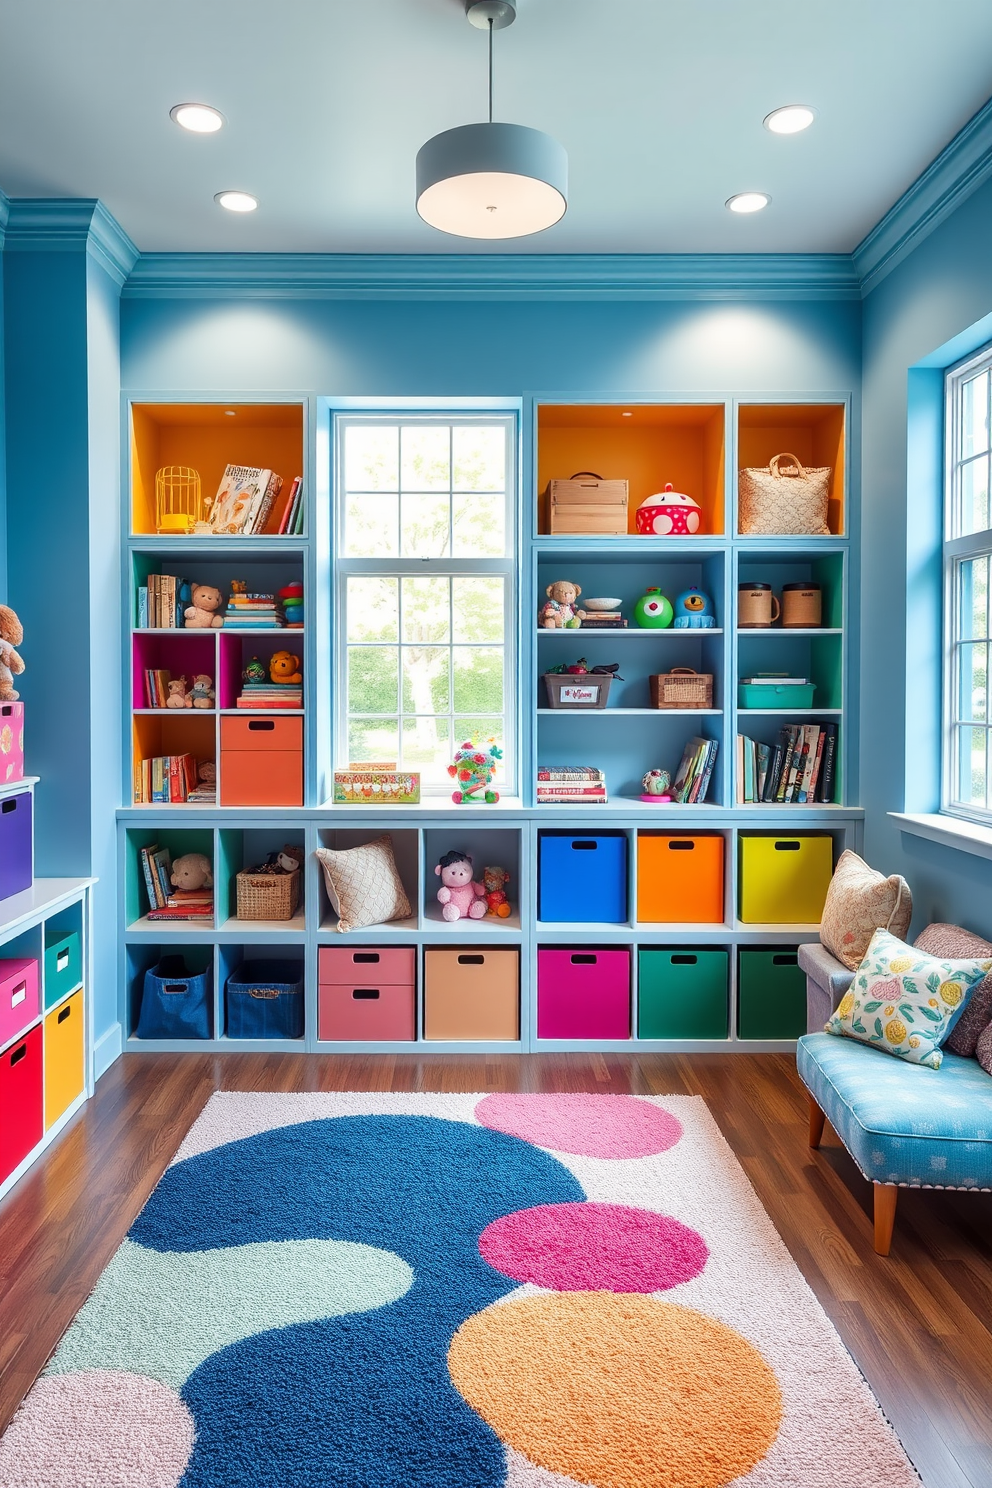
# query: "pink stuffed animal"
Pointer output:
{"type": "Point", "coordinates": [461, 897]}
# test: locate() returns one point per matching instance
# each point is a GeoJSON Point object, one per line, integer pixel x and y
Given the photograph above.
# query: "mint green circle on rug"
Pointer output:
{"type": "Point", "coordinates": [161, 1313]}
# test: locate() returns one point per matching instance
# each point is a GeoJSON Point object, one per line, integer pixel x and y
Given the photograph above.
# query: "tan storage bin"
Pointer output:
{"type": "Point", "coordinates": [471, 993]}
{"type": "Point", "coordinates": [588, 504]}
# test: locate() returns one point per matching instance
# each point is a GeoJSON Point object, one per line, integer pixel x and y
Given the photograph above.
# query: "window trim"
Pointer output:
{"type": "Point", "coordinates": [508, 567]}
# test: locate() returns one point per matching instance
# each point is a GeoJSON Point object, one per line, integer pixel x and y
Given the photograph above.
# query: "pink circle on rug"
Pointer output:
{"type": "Point", "coordinates": [594, 1248]}
{"type": "Point", "coordinates": [98, 1426]}
{"type": "Point", "coordinates": [586, 1125]}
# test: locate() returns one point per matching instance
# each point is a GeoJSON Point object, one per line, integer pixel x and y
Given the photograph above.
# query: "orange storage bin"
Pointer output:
{"type": "Point", "coordinates": [261, 761]}
{"type": "Point", "coordinates": [64, 1044]}
{"type": "Point", "coordinates": [680, 879]}
{"type": "Point", "coordinates": [471, 994]}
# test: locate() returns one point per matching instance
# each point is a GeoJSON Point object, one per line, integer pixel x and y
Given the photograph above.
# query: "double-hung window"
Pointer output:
{"type": "Point", "coordinates": [967, 785]}
{"type": "Point", "coordinates": [426, 584]}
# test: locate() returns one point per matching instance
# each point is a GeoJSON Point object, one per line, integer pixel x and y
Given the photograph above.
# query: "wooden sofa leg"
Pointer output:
{"type": "Point", "coordinates": [816, 1123]}
{"type": "Point", "coordinates": [886, 1195]}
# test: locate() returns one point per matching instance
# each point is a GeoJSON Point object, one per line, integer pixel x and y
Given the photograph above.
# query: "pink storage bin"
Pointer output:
{"type": "Point", "coordinates": [370, 1011]}
{"type": "Point", "coordinates": [583, 994]}
{"type": "Point", "coordinates": [373, 966]}
{"type": "Point", "coordinates": [19, 997]}
{"type": "Point", "coordinates": [11, 742]}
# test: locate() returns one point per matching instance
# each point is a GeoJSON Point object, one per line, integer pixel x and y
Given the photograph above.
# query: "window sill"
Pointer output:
{"type": "Point", "coordinates": [950, 831]}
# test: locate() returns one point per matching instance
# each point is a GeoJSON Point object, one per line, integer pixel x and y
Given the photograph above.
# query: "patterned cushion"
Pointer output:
{"type": "Point", "coordinates": [363, 884]}
{"type": "Point", "coordinates": [905, 1002]}
{"type": "Point", "coordinates": [903, 1123]}
{"type": "Point", "coordinates": [859, 902]}
{"type": "Point", "coordinates": [951, 940]}
{"type": "Point", "coordinates": [983, 1049]}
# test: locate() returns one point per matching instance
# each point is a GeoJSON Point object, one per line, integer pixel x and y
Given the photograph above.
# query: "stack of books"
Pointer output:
{"type": "Point", "coordinates": [604, 620]}
{"type": "Point", "coordinates": [694, 773]}
{"type": "Point", "coordinates": [244, 500]}
{"type": "Point", "coordinates": [156, 688]}
{"type": "Point", "coordinates": [570, 785]}
{"type": "Point", "coordinates": [253, 612]}
{"type": "Point", "coordinates": [291, 522]}
{"type": "Point", "coordinates": [166, 902]}
{"type": "Point", "coordinates": [159, 604]}
{"type": "Point", "coordinates": [271, 695]}
{"type": "Point", "coordinates": [798, 771]}
{"type": "Point", "coordinates": [167, 779]}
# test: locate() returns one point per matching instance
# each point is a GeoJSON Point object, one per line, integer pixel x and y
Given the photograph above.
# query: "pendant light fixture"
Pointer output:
{"type": "Point", "coordinates": [492, 180]}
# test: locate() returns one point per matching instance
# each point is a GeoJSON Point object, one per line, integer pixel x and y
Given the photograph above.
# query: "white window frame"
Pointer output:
{"type": "Point", "coordinates": [958, 549]}
{"type": "Point", "coordinates": [507, 567]}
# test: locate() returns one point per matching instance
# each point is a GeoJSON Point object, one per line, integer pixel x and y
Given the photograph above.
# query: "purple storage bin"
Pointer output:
{"type": "Point", "coordinates": [583, 994]}
{"type": "Point", "coordinates": [16, 872]}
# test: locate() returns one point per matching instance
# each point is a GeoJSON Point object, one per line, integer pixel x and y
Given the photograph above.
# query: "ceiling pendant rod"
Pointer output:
{"type": "Point", "coordinates": [490, 69]}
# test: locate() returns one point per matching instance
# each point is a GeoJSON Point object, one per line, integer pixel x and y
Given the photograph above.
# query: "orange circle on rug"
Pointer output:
{"type": "Point", "coordinates": [618, 1390]}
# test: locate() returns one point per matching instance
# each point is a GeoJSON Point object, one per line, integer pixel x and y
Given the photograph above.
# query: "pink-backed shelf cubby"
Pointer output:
{"type": "Point", "coordinates": [238, 648]}
{"type": "Point", "coordinates": [183, 653]}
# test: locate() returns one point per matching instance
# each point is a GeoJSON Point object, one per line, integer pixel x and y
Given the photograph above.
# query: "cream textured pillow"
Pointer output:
{"type": "Point", "coordinates": [859, 902]}
{"type": "Point", "coordinates": [363, 884]}
{"type": "Point", "coordinates": [905, 1002]}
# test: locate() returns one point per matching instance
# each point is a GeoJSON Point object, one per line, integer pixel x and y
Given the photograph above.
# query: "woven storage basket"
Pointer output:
{"type": "Point", "coordinates": [268, 896]}
{"type": "Point", "coordinates": [789, 498]}
{"type": "Point", "coordinates": [682, 688]}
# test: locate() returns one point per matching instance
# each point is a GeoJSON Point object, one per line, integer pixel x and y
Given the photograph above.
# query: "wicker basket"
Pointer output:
{"type": "Point", "coordinates": [268, 896]}
{"type": "Point", "coordinates": [789, 498]}
{"type": "Point", "coordinates": [682, 688]}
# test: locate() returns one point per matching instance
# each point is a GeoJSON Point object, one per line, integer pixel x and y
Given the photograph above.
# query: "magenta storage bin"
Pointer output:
{"type": "Point", "coordinates": [11, 742]}
{"type": "Point", "coordinates": [15, 844]}
{"type": "Point", "coordinates": [19, 1002]}
{"type": "Point", "coordinates": [583, 994]}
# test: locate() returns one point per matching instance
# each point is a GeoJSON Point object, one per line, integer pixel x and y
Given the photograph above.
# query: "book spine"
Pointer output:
{"type": "Point", "coordinates": [572, 790]}
{"type": "Point", "coordinates": [829, 757]}
{"type": "Point", "coordinates": [817, 764]}
{"type": "Point", "coordinates": [268, 501]}
{"type": "Point", "coordinates": [707, 775]}
{"type": "Point", "coordinates": [149, 882]}
{"type": "Point", "coordinates": [774, 768]}
{"type": "Point", "coordinates": [175, 793]}
{"type": "Point", "coordinates": [143, 607]}
{"type": "Point", "coordinates": [161, 861]}
{"type": "Point", "coordinates": [790, 748]}
{"type": "Point", "coordinates": [739, 770]}
{"type": "Point", "coordinates": [764, 755]}
{"type": "Point", "coordinates": [796, 767]}
{"type": "Point", "coordinates": [804, 784]}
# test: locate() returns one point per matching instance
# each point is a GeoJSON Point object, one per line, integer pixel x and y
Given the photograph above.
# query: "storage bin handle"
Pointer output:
{"type": "Point", "coordinates": [583, 960]}
{"type": "Point", "coordinates": [18, 995]}
{"type": "Point", "coordinates": [785, 958]}
{"type": "Point", "coordinates": [365, 956]}
{"type": "Point", "coordinates": [471, 960]}
{"type": "Point", "coordinates": [263, 725]}
{"type": "Point", "coordinates": [684, 960]}
{"type": "Point", "coordinates": [591, 474]}
{"type": "Point", "coordinates": [583, 846]}
{"type": "Point", "coordinates": [62, 960]}
{"type": "Point", "coordinates": [365, 994]}
{"type": "Point", "coordinates": [9, 805]}
{"type": "Point", "coordinates": [787, 846]}
{"type": "Point", "coordinates": [774, 465]}
{"type": "Point", "coordinates": [66, 1011]}
{"type": "Point", "coordinates": [7, 710]}
{"type": "Point", "coordinates": [681, 844]}
{"type": "Point", "coordinates": [18, 1055]}
{"type": "Point", "coordinates": [263, 994]}
{"type": "Point", "coordinates": [175, 986]}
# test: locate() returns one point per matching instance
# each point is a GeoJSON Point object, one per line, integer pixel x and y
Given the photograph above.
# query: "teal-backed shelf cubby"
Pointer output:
{"type": "Point", "coordinates": [698, 445]}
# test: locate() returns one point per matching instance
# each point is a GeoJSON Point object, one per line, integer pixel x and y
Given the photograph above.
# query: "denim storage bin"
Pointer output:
{"type": "Point", "coordinates": [264, 1000]}
{"type": "Point", "coordinates": [175, 1004]}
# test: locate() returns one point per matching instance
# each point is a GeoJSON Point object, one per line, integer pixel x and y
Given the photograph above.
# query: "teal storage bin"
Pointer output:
{"type": "Point", "coordinates": [682, 994]}
{"type": "Point", "coordinates": [771, 994]}
{"type": "Point", "coordinates": [768, 695]}
{"type": "Point", "coordinates": [63, 964]}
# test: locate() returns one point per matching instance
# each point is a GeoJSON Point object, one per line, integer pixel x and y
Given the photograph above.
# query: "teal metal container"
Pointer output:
{"type": "Point", "coordinates": [771, 994]}
{"type": "Point", "coordinates": [769, 695]}
{"type": "Point", "coordinates": [682, 994]}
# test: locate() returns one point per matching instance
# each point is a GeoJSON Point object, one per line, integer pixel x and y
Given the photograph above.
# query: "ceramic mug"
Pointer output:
{"type": "Point", "coordinates": [756, 606]}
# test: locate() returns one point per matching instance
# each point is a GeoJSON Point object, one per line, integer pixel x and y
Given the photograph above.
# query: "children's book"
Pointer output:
{"type": "Point", "coordinates": [239, 498]}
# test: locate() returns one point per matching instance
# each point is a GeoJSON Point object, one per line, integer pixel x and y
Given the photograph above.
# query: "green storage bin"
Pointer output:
{"type": "Point", "coordinates": [769, 695]}
{"type": "Point", "coordinates": [63, 964]}
{"type": "Point", "coordinates": [682, 994]}
{"type": "Point", "coordinates": [771, 994]}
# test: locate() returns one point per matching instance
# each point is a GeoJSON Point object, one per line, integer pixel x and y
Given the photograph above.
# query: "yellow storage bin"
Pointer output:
{"type": "Point", "coordinates": [783, 880]}
{"type": "Point", "coordinates": [64, 1043]}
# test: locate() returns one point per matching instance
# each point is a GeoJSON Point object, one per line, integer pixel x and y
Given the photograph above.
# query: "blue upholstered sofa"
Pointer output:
{"type": "Point", "coordinates": [906, 1126]}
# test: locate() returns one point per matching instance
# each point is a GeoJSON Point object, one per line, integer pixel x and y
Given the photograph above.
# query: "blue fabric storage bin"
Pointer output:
{"type": "Point", "coordinates": [175, 1004]}
{"type": "Point", "coordinates": [264, 1000]}
{"type": "Point", "coordinates": [582, 878]}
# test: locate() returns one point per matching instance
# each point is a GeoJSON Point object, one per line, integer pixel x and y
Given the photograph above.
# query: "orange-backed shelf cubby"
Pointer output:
{"type": "Point", "coordinates": [648, 445]}
{"type": "Point", "coordinates": [813, 432]}
{"type": "Point", "coordinates": [208, 437]}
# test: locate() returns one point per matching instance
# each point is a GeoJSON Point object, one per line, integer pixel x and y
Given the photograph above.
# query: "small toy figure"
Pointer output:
{"type": "Point", "coordinates": [559, 611]}
{"type": "Point", "coordinates": [206, 772]}
{"type": "Point", "coordinates": [495, 881]}
{"type": "Point", "coordinates": [461, 897]}
{"type": "Point", "coordinates": [290, 860]}
{"type": "Point", "coordinates": [285, 667]}
{"type": "Point", "coordinates": [655, 786]}
{"type": "Point", "coordinates": [202, 694]}
{"type": "Point", "coordinates": [473, 769]}
{"type": "Point", "coordinates": [694, 611]}
{"type": "Point", "coordinates": [11, 665]}
{"type": "Point", "coordinates": [178, 696]}
{"type": "Point", "coordinates": [578, 668]}
{"type": "Point", "coordinates": [201, 614]}
{"type": "Point", "coordinates": [668, 514]}
{"type": "Point", "coordinates": [254, 671]}
{"type": "Point", "coordinates": [191, 872]}
{"type": "Point", "coordinates": [653, 611]}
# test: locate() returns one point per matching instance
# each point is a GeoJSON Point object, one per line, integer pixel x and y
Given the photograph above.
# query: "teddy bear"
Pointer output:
{"type": "Point", "coordinates": [201, 694]}
{"type": "Point", "coordinates": [11, 665]}
{"type": "Point", "coordinates": [285, 667]}
{"type": "Point", "coordinates": [461, 898]}
{"type": "Point", "coordinates": [201, 614]}
{"type": "Point", "coordinates": [191, 872]}
{"type": "Point", "coordinates": [559, 610]}
{"type": "Point", "coordinates": [178, 696]}
{"type": "Point", "coordinates": [495, 881]}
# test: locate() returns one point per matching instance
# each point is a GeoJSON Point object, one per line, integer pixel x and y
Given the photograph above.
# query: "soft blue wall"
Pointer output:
{"type": "Point", "coordinates": [928, 313]}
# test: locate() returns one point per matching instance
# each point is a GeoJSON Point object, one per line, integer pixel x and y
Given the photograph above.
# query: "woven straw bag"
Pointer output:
{"type": "Point", "coordinates": [784, 498]}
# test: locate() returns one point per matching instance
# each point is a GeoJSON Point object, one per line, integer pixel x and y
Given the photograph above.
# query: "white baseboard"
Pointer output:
{"type": "Point", "coordinates": [108, 1048]}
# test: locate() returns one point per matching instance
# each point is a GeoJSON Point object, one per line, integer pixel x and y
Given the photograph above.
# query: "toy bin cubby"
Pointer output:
{"type": "Point", "coordinates": [782, 877]}
{"type": "Point", "coordinates": [683, 992]}
{"type": "Point", "coordinates": [261, 994]}
{"type": "Point", "coordinates": [583, 992]}
{"type": "Point", "coordinates": [240, 849]}
{"type": "Point", "coordinates": [771, 993]}
{"type": "Point", "coordinates": [406, 854]}
{"type": "Point", "coordinates": [175, 841]}
{"type": "Point", "coordinates": [177, 1003]}
{"type": "Point", "coordinates": [471, 994]}
{"type": "Point", "coordinates": [497, 847]}
{"type": "Point", "coordinates": [814, 432]}
{"type": "Point", "coordinates": [681, 878]}
{"type": "Point", "coordinates": [367, 993]}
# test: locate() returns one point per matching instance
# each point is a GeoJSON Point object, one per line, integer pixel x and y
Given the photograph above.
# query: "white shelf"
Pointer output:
{"type": "Point", "coordinates": [11, 787]}
{"type": "Point", "coordinates": [44, 897]}
{"type": "Point", "coordinates": [488, 925]}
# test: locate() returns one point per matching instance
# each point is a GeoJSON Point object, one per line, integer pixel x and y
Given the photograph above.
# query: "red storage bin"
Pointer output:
{"type": "Point", "coordinates": [21, 1101]}
{"type": "Point", "coordinates": [394, 966]}
{"type": "Point", "coordinates": [583, 994]}
{"type": "Point", "coordinates": [367, 992]}
{"type": "Point", "coordinates": [19, 997]}
{"type": "Point", "coordinates": [261, 761]}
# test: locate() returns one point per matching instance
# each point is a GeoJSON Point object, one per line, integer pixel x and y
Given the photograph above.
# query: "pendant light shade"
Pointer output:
{"type": "Point", "coordinates": [492, 181]}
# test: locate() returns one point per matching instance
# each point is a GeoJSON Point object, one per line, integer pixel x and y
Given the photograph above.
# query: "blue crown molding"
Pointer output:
{"type": "Point", "coordinates": [494, 276]}
{"type": "Point", "coordinates": [959, 169]}
{"type": "Point", "coordinates": [57, 225]}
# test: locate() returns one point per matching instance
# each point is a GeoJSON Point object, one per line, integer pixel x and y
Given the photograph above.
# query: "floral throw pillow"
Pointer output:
{"type": "Point", "coordinates": [906, 1002]}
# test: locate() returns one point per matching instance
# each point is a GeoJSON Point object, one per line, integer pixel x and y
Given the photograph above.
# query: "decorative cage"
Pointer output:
{"type": "Point", "coordinates": [178, 499]}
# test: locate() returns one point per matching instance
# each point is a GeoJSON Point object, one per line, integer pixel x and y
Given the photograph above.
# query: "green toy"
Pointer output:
{"type": "Point", "coordinates": [254, 671]}
{"type": "Point", "coordinates": [653, 611]}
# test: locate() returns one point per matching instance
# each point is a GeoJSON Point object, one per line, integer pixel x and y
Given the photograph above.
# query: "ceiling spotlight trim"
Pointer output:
{"type": "Point", "coordinates": [508, 150]}
{"type": "Point", "coordinates": [500, 13]}
{"type": "Point", "coordinates": [788, 108]}
{"type": "Point", "coordinates": [761, 200]}
{"type": "Point", "coordinates": [230, 191]}
{"type": "Point", "coordinates": [206, 108]}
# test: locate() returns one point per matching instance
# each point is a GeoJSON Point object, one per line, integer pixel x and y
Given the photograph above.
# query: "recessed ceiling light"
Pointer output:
{"type": "Point", "coordinates": [236, 201]}
{"type": "Point", "coordinates": [791, 119]}
{"type": "Point", "coordinates": [230, 413]}
{"type": "Point", "coordinates": [198, 118]}
{"type": "Point", "coordinates": [626, 415]}
{"type": "Point", "coordinates": [747, 201]}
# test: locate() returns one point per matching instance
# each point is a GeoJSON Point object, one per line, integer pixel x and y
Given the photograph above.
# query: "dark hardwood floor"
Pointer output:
{"type": "Point", "coordinates": [918, 1323]}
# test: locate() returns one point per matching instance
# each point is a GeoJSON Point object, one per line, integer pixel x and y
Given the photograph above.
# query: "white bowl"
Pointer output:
{"type": "Point", "coordinates": [600, 604]}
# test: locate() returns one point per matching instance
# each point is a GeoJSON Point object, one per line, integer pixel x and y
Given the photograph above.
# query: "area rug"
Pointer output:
{"type": "Point", "coordinates": [453, 1291]}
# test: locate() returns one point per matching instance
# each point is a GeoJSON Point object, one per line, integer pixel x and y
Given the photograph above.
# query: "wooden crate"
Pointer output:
{"type": "Point", "coordinates": [588, 504]}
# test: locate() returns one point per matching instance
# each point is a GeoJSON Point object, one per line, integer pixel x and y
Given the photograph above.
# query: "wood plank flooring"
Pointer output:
{"type": "Point", "coordinates": [918, 1323]}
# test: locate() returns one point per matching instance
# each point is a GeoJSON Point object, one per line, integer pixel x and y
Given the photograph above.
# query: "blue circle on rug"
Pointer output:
{"type": "Point", "coordinates": [365, 1399]}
